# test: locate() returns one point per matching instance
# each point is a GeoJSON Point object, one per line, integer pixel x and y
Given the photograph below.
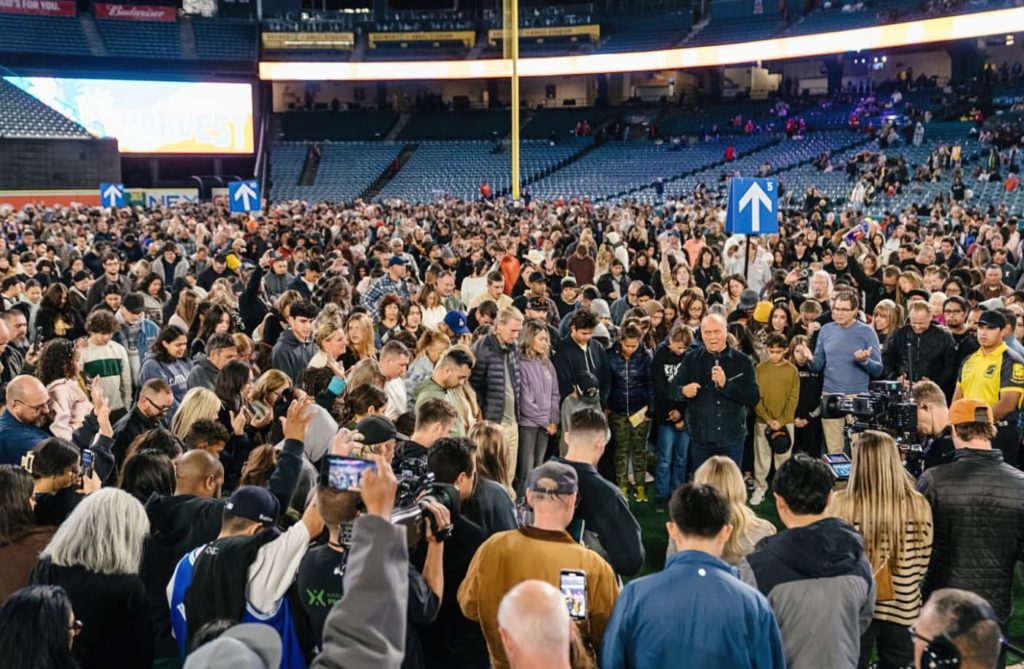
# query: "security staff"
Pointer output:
{"type": "Point", "coordinates": [994, 374]}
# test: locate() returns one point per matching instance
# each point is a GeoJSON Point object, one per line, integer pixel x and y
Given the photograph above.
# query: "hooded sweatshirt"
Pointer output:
{"type": "Point", "coordinates": [821, 586]}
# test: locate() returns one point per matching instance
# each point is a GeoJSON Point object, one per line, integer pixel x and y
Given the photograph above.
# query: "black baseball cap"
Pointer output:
{"type": "Point", "coordinates": [133, 303]}
{"type": "Point", "coordinates": [537, 304]}
{"type": "Point", "coordinates": [992, 319]}
{"type": "Point", "coordinates": [536, 277]}
{"type": "Point", "coordinates": [254, 503]}
{"type": "Point", "coordinates": [376, 430]}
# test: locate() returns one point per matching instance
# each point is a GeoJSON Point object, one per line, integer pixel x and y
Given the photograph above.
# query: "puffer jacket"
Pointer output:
{"type": "Point", "coordinates": [978, 513]}
{"type": "Point", "coordinates": [488, 376]}
{"type": "Point", "coordinates": [632, 388]}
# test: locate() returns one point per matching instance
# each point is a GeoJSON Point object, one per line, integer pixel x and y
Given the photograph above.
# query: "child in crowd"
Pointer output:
{"type": "Point", "coordinates": [631, 403]}
{"type": "Point", "coordinates": [808, 436]}
{"type": "Point", "coordinates": [779, 383]}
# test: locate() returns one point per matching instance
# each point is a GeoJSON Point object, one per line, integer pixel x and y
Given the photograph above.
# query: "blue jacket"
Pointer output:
{"type": "Point", "coordinates": [693, 613]}
{"type": "Point", "coordinates": [632, 388]}
{"type": "Point", "coordinates": [174, 373]}
{"type": "Point", "coordinates": [17, 438]}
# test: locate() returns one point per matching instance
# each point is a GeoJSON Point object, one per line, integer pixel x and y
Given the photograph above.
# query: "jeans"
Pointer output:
{"type": "Point", "coordinates": [533, 444]}
{"type": "Point", "coordinates": [895, 647]}
{"type": "Point", "coordinates": [700, 452]}
{"type": "Point", "coordinates": [670, 472]}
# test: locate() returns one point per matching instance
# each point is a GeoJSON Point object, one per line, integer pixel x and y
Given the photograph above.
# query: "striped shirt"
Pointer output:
{"type": "Point", "coordinates": [911, 568]}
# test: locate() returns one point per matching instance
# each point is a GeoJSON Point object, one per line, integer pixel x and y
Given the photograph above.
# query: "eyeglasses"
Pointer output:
{"type": "Point", "coordinates": [37, 407]}
{"type": "Point", "coordinates": [161, 409]}
{"type": "Point", "coordinates": [75, 627]}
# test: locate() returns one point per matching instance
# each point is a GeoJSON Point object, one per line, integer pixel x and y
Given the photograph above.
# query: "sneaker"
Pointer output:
{"type": "Point", "coordinates": [757, 498]}
{"type": "Point", "coordinates": [641, 496]}
{"type": "Point", "coordinates": [660, 504]}
{"type": "Point", "coordinates": [749, 483]}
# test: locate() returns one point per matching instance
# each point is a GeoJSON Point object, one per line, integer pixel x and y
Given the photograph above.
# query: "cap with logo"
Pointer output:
{"type": "Point", "coordinates": [254, 503]}
{"type": "Point", "coordinates": [587, 383]}
{"type": "Point", "coordinates": [456, 322]}
{"type": "Point", "coordinates": [536, 304]}
{"type": "Point", "coordinates": [553, 478]}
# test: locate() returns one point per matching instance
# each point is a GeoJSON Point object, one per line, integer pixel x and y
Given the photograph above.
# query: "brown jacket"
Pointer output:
{"type": "Point", "coordinates": [19, 557]}
{"type": "Point", "coordinates": [509, 558]}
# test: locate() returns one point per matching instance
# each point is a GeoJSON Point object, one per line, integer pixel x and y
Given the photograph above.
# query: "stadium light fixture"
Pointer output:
{"type": "Point", "coordinates": [943, 29]}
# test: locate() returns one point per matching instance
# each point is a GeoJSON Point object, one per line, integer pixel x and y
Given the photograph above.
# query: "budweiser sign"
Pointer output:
{"type": "Point", "coordinates": [134, 12]}
{"type": "Point", "coordinates": [38, 7]}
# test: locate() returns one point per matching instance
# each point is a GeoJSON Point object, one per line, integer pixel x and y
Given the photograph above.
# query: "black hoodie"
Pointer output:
{"type": "Point", "coordinates": [180, 523]}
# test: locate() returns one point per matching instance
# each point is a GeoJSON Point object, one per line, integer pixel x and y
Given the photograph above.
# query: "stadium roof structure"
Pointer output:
{"type": "Point", "coordinates": [942, 29]}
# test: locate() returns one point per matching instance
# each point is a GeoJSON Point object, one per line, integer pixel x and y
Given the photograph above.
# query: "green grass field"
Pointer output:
{"type": "Point", "coordinates": [652, 524]}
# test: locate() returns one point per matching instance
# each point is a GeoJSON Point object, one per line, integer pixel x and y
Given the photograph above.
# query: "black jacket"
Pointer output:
{"type": "Point", "coordinates": [978, 514]}
{"type": "Point", "coordinates": [488, 376]}
{"type": "Point", "coordinates": [571, 360]}
{"type": "Point", "coordinates": [116, 629]}
{"type": "Point", "coordinates": [930, 354]}
{"type": "Point", "coordinates": [609, 527]}
{"type": "Point", "coordinates": [130, 426]}
{"type": "Point", "coordinates": [717, 416]}
{"type": "Point", "coordinates": [663, 369]}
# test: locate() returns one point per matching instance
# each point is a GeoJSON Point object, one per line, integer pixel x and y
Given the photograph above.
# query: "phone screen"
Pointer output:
{"type": "Point", "coordinates": [840, 465]}
{"type": "Point", "coordinates": [341, 473]}
{"type": "Point", "coordinates": [573, 585]}
{"type": "Point", "coordinates": [86, 462]}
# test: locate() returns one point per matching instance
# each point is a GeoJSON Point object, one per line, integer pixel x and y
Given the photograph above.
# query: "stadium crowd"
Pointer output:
{"type": "Point", "coordinates": [180, 383]}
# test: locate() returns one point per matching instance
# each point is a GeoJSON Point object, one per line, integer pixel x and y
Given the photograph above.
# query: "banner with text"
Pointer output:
{"type": "Point", "coordinates": [593, 31]}
{"type": "Point", "coordinates": [313, 41]}
{"type": "Point", "coordinates": [38, 7]}
{"type": "Point", "coordinates": [135, 12]}
{"type": "Point", "coordinates": [465, 36]}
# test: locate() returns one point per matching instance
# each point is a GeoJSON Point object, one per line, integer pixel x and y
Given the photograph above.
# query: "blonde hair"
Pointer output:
{"type": "Point", "coordinates": [198, 404]}
{"type": "Point", "coordinates": [894, 312]}
{"type": "Point", "coordinates": [188, 305]}
{"type": "Point", "coordinates": [880, 499]}
{"type": "Point", "coordinates": [324, 330]}
{"type": "Point", "coordinates": [270, 381]}
{"type": "Point", "coordinates": [430, 338]}
{"type": "Point", "coordinates": [367, 348]}
{"type": "Point", "coordinates": [531, 329]}
{"type": "Point", "coordinates": [366, 372]}
{"type": "Point", "coordinates": [492, 453]}
{"type": "Point", "coordinates": [722, 474]}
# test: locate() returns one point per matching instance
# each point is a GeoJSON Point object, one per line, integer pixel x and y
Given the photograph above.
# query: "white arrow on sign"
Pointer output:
{"type": "Point", "coordinates": [755, 195]}
{"type": "Point", "coordinates": [245, 193]}
{"type": "Point", "coordinates": [113, 193]}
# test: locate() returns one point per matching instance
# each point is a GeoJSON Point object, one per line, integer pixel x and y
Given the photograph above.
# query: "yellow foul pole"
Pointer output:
{"type": "Point", "coordinates": [511, 52]}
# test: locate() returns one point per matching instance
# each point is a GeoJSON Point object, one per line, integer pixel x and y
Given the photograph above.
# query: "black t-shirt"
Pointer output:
{"type": "Point", "coordinates": [320, 585]}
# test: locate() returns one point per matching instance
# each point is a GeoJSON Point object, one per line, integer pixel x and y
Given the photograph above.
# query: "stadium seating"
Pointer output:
{"type": "Point", "coordinates": [45, 34]}
{"type": "Point", "coordinates": [458, 168]}
{"type": "Point", "coordinates": [141, 39]}
{"type": "Point", "coordinates": [723, 31]}
{"type": "Point", "coordinates": [22, 115]}
{"type": "Point", "coordinates": [461, 125]}
{"type": "Point", "coordinates": [346, 169]}
{"type": "Point", "coordinates": [645, 33]}
{"type": "Point", "coordinates": [222, 39]}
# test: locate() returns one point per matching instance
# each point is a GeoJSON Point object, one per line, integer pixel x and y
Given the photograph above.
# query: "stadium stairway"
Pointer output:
{"type": "Point", "coordinates": [397, 127]}
{"type": "Point", "coordinates": [389, 172]}
{"type": "Point", "coordinates": [309, 169]}
{"type": "Point", "coordinates": [92, 34]}
{"type": "Point", "coordinates": [188, 38]}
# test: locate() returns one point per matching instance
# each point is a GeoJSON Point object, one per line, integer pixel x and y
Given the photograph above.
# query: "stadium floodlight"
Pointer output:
{"type": "Point", "coordinates": [942, 29]}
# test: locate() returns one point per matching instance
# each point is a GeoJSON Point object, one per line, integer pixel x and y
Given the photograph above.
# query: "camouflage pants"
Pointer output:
{"type": "Point", "coordinates": [629, 441]}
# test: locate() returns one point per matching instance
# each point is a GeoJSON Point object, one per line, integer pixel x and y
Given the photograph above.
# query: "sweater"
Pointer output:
{"type": "Point", "coordinates": [70, 407]}
{"type": "Point", "coordinates": [174, 373]}
{"type": "Point", "coordinates": [833, 356]}
{"type": "Point", "coordinates": [109, 363]}
{"type": "Point", "coordinates": [779, 386]}
{"type": "Point", "coordinates": [538, 400]}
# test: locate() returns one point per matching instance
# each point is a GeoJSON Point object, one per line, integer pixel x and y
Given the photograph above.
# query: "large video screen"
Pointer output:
{"type": "Point", "coordinates": [153, 116]}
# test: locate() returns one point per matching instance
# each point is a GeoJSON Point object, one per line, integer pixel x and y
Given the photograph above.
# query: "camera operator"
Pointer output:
{"type": "Point", "coordinates": [434, 419]}
{"type": "Point", "coordinates": [452, 640]}
{"type": "Point", "coordinates": [933, 424]}
{"type": "Point", "coordinates": [320, 585]}
{"type": "Point", "coordinates": [978, 518]}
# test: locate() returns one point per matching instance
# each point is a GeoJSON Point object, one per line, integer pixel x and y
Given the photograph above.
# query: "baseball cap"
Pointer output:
{"type": "Point", "coordinates": [254, 503]}
{"type": "Point", "coordinates": [748, 299]}
{"type": "Point", "coordinates": [554, 478]}
{"type": "Point", "coordinates": [536, 277]}
{"type": "Point", "coordinates": [456, 322]}
{"type": "Point", "coordinates": [244, 646]}
{"type": "Point", "coordinates": [762, 312]}
{"type": "Point", "coordinates": [376, 429]}
{"type": "Point", "coordinates": [992, 319]}
{"type": "Point", "coordinates": [396, 260]}
{"type": "Point", "coordinates": [970, 411]}
{"type": "Point", "coordinates": [133, 303]}
{"type": "Point", "coordinates": [536, 304]}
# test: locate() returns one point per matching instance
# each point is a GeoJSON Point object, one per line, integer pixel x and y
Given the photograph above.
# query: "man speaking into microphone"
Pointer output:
{"type": "Point", "coordinates": [718, 386]}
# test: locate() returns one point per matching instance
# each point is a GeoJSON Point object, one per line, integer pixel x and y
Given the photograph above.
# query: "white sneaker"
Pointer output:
{"type": "Point", "coordinates": [757, 498]}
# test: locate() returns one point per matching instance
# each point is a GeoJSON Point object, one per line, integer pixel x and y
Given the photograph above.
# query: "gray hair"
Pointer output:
{"type": "Point", "coordinates": [104, 534]}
